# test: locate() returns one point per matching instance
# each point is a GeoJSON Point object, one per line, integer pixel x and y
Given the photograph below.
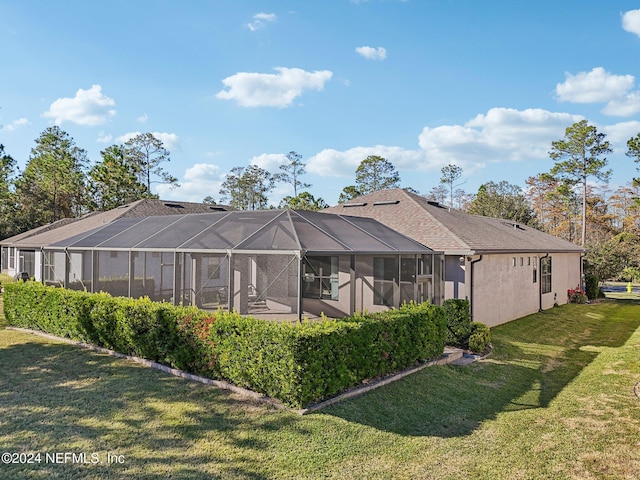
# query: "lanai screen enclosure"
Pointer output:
{"type": "Point", "coordinates": [257, 262]}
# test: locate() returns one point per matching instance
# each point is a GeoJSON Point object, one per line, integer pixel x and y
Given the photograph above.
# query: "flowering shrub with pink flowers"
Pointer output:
{"type": "Point", "coordinates": [577, 295]}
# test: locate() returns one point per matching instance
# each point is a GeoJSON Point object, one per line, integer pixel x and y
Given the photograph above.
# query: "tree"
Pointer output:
{"type": "Point", "coordinates": [114, 180]}
{"type": "Point", "coordinates": [292, 171]}
{"type": "Point", "coordinates": [7, 195]}
{"type": "Point", "coordinates": [450, 173]}
{"type": "Point", "coordinates": [609, 259]}
{"type": "Point", "coordinates": [502, 200]}
{"type": "Point", "coordinates": [578, 157]}
{"type": "Point", "coordinates": [437, 194]}
{"type": "Point", "coordinates": [247, 188]}
{"type": "Point", "coordinates": [462, 199]}
{"type": "Point", "coordinates": [633, 151]}
{"type": "Point", "coordinates": [209, 200]}
{"type": "Point", "coordinates": [349, 193]}
{"type": "Point", "coordinates": [625, 206]}
{"type": "Point", "coordinates": [303, 201]}
{"type": "Point", "coordinates": [376, 173]}
{"type": "Point", "coordinates": [145, 153]}
{"type": "Point", "coordinates": [53, 184]}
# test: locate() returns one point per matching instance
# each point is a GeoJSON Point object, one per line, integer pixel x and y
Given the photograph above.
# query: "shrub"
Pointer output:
{"type": "Point", "coordinates": [458, 317]}
{"type": "Point", "coordinates": [296, 364]}
{"type": "Point", "coordinates": [480, 337]}
{"type": "Point", "coordinates": [592, 287]}
{"type": "Point", "coordinates": [576, 295]}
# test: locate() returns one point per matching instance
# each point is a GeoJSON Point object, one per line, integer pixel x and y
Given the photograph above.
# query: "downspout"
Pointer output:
{"type": "Point", "coordinates": [540, 281]}
{"type": "Point", "coordinates": [583, 281]}
{"type": "Point", "coordinates": [471, 263]}
{"type": "Point", "coordinates": [42, 265]}
{"type": "Point", "coordinates": [300, 256]}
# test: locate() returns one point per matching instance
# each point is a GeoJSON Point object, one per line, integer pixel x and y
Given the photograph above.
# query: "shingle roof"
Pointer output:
{"type": "Point", "coordinates": [450, 230]}
{"type": "Point", "coordinates": [57, 231]}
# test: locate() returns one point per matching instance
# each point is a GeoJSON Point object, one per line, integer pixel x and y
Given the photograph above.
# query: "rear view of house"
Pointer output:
{"type": "Point", "coordinates": [507, 270]}
{"type": "Point", "coordinates": [258, 262]}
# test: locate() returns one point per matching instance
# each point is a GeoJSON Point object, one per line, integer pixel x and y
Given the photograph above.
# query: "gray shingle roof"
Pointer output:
{"type": "Point", "coordinates": [450, 230]}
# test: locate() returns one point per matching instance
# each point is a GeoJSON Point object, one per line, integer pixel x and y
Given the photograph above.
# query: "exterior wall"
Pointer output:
{"type": "Point", "coordinates": [503, 292]}
{"type": "Point", "coordinates": [454, 278]}
{"type": "Point", "coordinates": [565, 275]}
{"type": "Point", "coordinates": [356, 296]}
{"type": "Point", "coordinates": [334, 308]}
{"type": "Point", "coordinates": [364, 286]}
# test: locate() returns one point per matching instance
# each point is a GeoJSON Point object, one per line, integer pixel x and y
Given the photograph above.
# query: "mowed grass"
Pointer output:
{"type": "Point", "coordinates": [555, 400]}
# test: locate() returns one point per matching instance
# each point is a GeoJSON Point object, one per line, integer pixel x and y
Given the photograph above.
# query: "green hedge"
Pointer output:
{"type": "Point", "coordinates": [458, 315]}
{"type": "Point", "coordinates": [297, 364]}
{"type": "Point", "coordinates": [480, 337]}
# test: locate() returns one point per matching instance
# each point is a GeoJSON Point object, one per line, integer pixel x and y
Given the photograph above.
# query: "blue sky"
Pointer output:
{"type": "Point", "coordinates": [424, 83]}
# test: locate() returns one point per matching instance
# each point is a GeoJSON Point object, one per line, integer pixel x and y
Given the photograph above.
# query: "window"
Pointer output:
{"type": "Point", "coordinates": [521, 261]}
{"type": "Point", "coordinates": [528, 261]}
{"type": "Point", "coordinates": [320, 278]}
{"type": "Point", "coordinates": [385, 273]}
{"type": "Point", "coordinates": [213, 267]}
{"type": "Point", "coordinates": [545, 274]}
{"type": "Point", "coordinates": [12, 257]}
{"type": "Point", "coordinates": [513, 261]}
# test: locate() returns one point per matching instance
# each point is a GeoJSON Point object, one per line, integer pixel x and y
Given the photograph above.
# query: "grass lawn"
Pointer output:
{"type": "Point", "coordinates": [555, 400]}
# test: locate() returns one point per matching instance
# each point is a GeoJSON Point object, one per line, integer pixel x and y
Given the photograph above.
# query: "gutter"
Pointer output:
{"type": "Point", "coordinates": [471, 263]}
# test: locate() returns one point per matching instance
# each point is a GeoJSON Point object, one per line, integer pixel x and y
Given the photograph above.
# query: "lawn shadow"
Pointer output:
{"type": "Point", "coordinates": [60, 398]}
{"type": "Point", "coordinates": [534, 359]}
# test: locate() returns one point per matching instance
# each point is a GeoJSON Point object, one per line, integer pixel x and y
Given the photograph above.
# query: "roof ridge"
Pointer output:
{"type": "Point", "coordinates": [455, 235]}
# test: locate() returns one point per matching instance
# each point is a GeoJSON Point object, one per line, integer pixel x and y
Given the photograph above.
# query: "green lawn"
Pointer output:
{"type": "Point", "coordinates": [555, 400]}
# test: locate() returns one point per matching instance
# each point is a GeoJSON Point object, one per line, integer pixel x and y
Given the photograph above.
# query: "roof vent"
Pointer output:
{"type": "Point", "coordinates": [217, 209]}
{"type": "Point", "coordinates": [434, 203]}
{"type": "Point", "coordinates": [387, 202]}
{"type": "Point", "coordinates": [515, 225]}
{"type": "Point", "coordinates": [348, 205]}
{"type": "Point", "coordinates": [173, 205]}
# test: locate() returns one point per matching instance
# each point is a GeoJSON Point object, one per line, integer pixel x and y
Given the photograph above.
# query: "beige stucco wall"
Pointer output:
{"type": "Point", "coordinates": [503, 292]}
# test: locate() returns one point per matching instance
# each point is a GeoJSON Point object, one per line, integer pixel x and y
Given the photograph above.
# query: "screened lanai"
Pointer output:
{"type": "Point", "coordinates": [256, 262]}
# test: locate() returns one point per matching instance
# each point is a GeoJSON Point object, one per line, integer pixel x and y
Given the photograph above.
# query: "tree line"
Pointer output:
{"type": "Point", "coordinates": [57, 181]}
{"type": "Point", "coordinates": [571, 201]}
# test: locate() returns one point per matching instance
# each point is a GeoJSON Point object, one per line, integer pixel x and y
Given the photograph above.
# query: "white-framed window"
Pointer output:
{"type": "Point", "coordinates": [545, 274]}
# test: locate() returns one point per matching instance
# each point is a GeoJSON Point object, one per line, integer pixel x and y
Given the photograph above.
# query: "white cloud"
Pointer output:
{"type": "Point", "coordinates": [269, 161]}
{"type": "Point", "coordinates": [618, 134]}
{"type": "Point", "coordinates": [88, 107]}
{"type": "Point", "coordinates": [379, 53]}
{"type": "Point", "coordinates": [624, 106]}
{"type": "Point", "coordinates": [631, 21]}
{"type": "Point", "coordinates": [500, 135]}
{"type": "Point", "coordinates": [269, 89]}
{"type": "Point", "coordinates": [198, 182]}
{"type": "Point", "coordinates": [336, 163]}
{"type": "Point", "coordinates": [171, 141]}
{"type": "Point", "coordinates": [143, 118]}
{"type": "Point", "coordinates": [104, 137]}
{"type": "Point", "coordinates": [598, 85]}
{"type": "Point", "coordinates": [260, 20]}
{"type": "Point", "coordinates": [13, 126]}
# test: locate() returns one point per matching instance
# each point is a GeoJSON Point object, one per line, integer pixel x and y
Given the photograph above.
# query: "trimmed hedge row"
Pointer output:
{"type": "Point", "coordinates": [297, 364]}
